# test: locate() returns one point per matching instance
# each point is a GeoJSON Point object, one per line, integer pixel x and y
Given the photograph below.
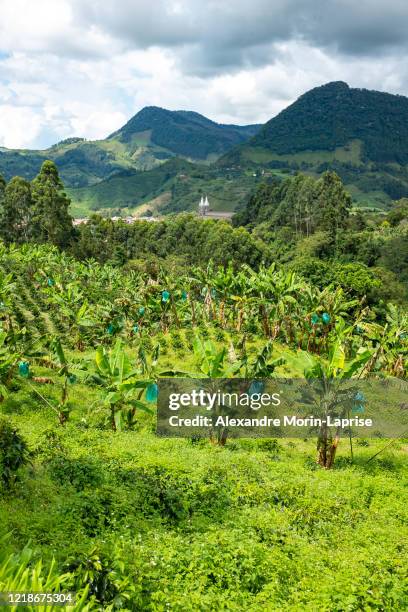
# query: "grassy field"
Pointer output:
{"type": "Point", "coordinates": [368, 183]}
{"type": "Point", "coordinates": [350, 153]}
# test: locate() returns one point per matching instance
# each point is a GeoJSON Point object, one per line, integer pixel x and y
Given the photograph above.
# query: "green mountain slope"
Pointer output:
{"type": "Point", "coordinates": [183, 133]}
{"type": "Point", "coordinates": [150, 138]}
{"type": "Point", "coordinates": [361, 134]}
{"type": "Point", "coordinates": [176, 185]}
{"type": "Point", "coordinates": [331, 116]}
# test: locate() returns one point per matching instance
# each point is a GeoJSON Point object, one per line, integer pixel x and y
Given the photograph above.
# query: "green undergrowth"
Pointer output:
{"type": "Point", "coordinates": [177, 524]}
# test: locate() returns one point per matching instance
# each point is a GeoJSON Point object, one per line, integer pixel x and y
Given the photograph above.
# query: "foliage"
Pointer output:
{"type": "Point", "coordinates": [183, 133]}
{"type": "Point", "coordinates": [186, 236]}
{"type": "Point", "coordinates": [16, 211]}
{"type": "Point", "coordinates": [355, 278]}
{"type": "Point", "coordinates": [377, 119]}
{"type": "Point", "coordinates": [50, 218]}
{"type": "Point", "coordinates": [8, 359]}
{"type": "Point", "coordinates": [14, 453]}
{"type": "Point", "coordinates": [399, 212]}
{"type": "Point", "coordinates": [119, 380]}
{"type": "Point", "coordinates": [198, 526]}
{"type": "Point", "coordinates": [307, 224]}
{"type": "Point", "coordinates": [144, 523]}
{"type": "Point", "coordinates": [22, 572]}
{"type": "Point", "coordinates": [302, 203]}
{"type": "Point", "coordinates": [37, 211]}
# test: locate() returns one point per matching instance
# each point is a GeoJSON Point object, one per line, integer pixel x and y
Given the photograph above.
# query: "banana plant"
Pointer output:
{"type": "Point", "coordinates": [390, 343]}
{"type": "Point", "coordinates": [120, 382]}
{"type": "Point", "coordinates": [76, 312]}
{"type": "Point", "coordinates": [212, 362]}
{"type": "Point", "coordinates": [262, 365]}
{"type": "Point", "coordinates": [7, 291]}
{"type": "Point", "coordinates": [326, 393]}
{"type": "Point", "coordinates": [69, 370]}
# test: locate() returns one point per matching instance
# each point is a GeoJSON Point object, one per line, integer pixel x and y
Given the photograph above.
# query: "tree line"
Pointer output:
{"type": "Point", "coordinates": [304, 223]}
{"type": "Point", "coordinates": [38, 211]}
{"type": "Point", "coordinates": [302, 203]}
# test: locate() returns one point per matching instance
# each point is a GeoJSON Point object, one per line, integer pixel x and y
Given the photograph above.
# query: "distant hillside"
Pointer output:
{"type": "Point", "coordinates": [182, 133]}
{"type": "Point", "coordinates": [331, 116]}
{"type": "Point", "coordinates": [150, 138]}
{"type": "Point", "coordinates": [361, 134]}
{"type": "Point", "coordinates": [174, 186]}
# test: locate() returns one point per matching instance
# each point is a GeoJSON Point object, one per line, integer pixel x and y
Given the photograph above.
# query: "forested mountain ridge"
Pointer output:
{"type": "Point", "coordinates": [361, 134]}
{"type": "Point", "coordinates": [151, 137]}
{"type": "Point", "coordinates": [183, 133]}
{"type": "Point", "coordinates": [332, 115]}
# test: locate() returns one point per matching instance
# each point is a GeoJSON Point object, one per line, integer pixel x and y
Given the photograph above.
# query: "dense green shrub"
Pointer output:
{"type": "Point", "coordinates": [81, 473]}
{"type": "Point", "coordinates": [14, 453]}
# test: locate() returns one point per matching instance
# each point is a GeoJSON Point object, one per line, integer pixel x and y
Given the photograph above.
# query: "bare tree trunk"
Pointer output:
{"type": "Point", "coordinates": [332, 452]}
{"type": "Point", "coordinates": [265, 322]}
{"type": "Point", "coordinates": [193, 313]}
{"type": "Point", "coordinates": [327, 447]}
{"type": "Point", "coordinates": [222, 313]}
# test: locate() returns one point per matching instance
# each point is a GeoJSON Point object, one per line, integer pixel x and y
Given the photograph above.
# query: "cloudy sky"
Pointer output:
{"type": "Point", "coordinates": [84, 67]}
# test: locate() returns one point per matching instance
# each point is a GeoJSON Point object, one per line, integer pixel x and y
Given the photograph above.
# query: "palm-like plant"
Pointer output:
{"type": "Point", "coordinates": [390, 343]}
{"type": "Point", "coordinates": [327, 395]}
{"type": "Point", "coordinates": [24, 572]}
{"type": "Point", "coordinates": [120, 382]}
{"type": "Point", "coordinates": [76, 311]}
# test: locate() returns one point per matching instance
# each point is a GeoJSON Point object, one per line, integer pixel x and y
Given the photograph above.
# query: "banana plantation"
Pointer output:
{"type": "Point", "coordinates": [92, 502]}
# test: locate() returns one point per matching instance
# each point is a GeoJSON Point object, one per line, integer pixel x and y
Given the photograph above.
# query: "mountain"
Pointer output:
{"type": "Point", "coordinates": [182, 133]}
{"type": "Point", "coordinates": [361, 134]}
{"type": "Point", "coordinates": [151, 137]}
{"type": "Point", "coordinates": [79, 162]}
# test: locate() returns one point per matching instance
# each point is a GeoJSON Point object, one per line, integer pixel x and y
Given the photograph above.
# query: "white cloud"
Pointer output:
{"type": "Point", "coordinates": [18, 126]}
{"type": "Point", "coordinates": [83, 67]}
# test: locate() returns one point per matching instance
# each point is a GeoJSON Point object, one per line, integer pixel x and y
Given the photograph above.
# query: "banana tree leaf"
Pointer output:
{"type": "Point", "coordinates": [113, 397]}
{"type": "Point", "coordinates": [140, 406]}
{"type": "Point", "coordinates": [133, 383]}
{"type": "Point", "coordinates": [217, 366]}
{"type": "Point", "coordinates": [59, 352]}
{"type": "Point", "coordinates": [136, 379]}
{"type": "Point", "coordinates": [86, 323]}
{"type": "Point", "coordinates": [102, 361]}
{"type": "Point", "coordinates": [81, 312]}
{"type": "Point", "coordinates": [338, 357]}
{"type": "Point", "coordinates": [357, 363]}
{"type": "Point", "coordinates": [118, 420]}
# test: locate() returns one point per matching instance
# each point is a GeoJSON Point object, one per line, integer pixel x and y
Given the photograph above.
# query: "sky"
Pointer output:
{"type": "Point", "coordinates": [84, 67]}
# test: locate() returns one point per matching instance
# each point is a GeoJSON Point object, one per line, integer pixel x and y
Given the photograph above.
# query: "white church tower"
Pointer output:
{"type": "Point", "coordinates": [203, 207]}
